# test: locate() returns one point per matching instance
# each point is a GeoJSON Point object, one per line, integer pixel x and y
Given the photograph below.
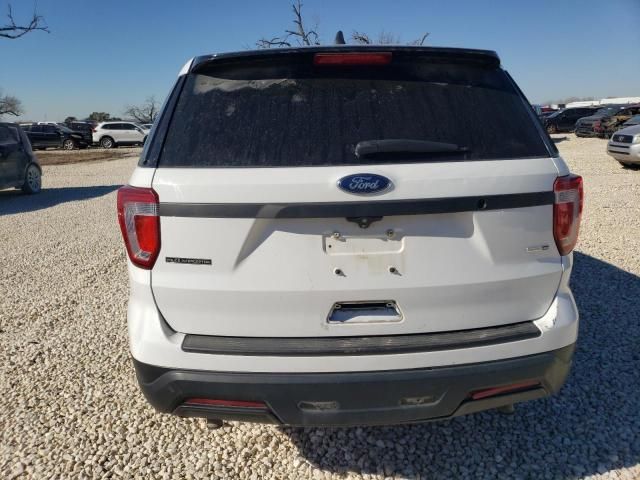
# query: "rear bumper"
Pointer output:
{"type": "Point", "coordinates": [355, 398]}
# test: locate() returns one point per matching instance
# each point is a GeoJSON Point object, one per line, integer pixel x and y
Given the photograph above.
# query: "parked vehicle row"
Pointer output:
{"type": "Point", "coordinates": [44, 136]}
{"type": "Point", "coordinates": [74, 135]}
{"type": "Point", "coordinates": [590, 121]}
{"type": "Point", "coordinates": [619, 123]}
{"type": "Point", "coordinates": [565, 120]}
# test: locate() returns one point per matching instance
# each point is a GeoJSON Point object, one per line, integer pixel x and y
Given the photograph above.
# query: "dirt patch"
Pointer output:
{"type": "Point", "coordinates": [60, 157]}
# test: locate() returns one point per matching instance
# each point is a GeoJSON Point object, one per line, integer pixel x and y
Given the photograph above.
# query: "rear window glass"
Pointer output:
{"type": "Point", "coordinates": [8, 134]}
{"type": "Point", "coordinates": [277, 121]}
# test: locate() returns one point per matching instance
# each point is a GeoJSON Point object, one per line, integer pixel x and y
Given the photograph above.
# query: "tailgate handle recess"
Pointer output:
{"type": "Point", "coordinates": [365, 312]}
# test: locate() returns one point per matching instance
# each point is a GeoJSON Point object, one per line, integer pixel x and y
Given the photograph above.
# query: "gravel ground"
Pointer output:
{"type": "Point", "coordinates": [71, 407]}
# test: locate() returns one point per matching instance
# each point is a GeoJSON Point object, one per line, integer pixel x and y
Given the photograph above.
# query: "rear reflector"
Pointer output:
{"type": "Point", "coordinates": [567, 211]}
{"type": "Point", "coordinates": [139, 224]}
{"type": "Point", "coordinates": [370, 58]}
{"type": "Point", "coordinates": [492, 392]}
{"type": "Point", "coordinates": [211, 402]}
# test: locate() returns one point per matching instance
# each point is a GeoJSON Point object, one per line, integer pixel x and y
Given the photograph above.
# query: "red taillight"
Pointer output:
{"type": "Point", "coordinates": [492, 392]}
{"type": "Point", "coordinates": [224, 403]}
{"type": "Point", "coordinates": [140, 224]}
{"type": "Point", "coordinates": [354, 58]}
{"type": "Point", "coordinates": [567, 211]}
{"type": "Point", "coordinates": [94, 130]}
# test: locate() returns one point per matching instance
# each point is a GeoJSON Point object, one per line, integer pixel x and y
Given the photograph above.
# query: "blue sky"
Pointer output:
{"type": "Point", "coordinates": [101, 56]}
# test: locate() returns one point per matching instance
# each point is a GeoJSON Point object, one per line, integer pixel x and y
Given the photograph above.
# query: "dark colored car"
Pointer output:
{"type": "Point", "coordinates": [547, 114]}
{"type": "Point", "coordinates": [609, 124]}
{"type": "Point", "coordinates": [565, 120]}
{"type": "Point", "coordinates": [86, 128]}
{"type": "Point", "coordinates": [56, 136]}
{"type": "Point", "coordinates": [19, 167]}
{"type": "Point", "coordinates": [585, 125]}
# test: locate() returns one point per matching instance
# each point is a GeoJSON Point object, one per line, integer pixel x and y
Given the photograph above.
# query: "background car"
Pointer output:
{"type": "Point", "coordinates": [112, 134]}
{"type": "Point", "coordinates": [44, 136]}
{"type": "Point", "coordinates": [19, 167]}
{"type": "Point", "coordinates": [565, 120]}
{"type": "Point", "coordinates": [86, 128]}
{"type": "Point", "coordinates": [610, 123]}
{"type": "Point", "coordinates": [624, 146]}
{"type": "Point", "coordinates": [147, 125]}
{"type": "Point", "coordinates": [584, 126]}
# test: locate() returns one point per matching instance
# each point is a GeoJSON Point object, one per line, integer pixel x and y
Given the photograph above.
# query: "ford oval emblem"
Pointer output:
{"type": "Point", "coordinates": [364, 183]}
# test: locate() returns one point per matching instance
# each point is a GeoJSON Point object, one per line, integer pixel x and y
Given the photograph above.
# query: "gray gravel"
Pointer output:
{"type": "Point", "coordinates": [71, 408]}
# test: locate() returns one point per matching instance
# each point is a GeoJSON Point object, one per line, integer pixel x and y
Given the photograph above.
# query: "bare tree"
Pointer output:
{"type": "Point", "coordinates": [13, 30]}
{"type": "Point", "coordinates": [99, 117]}
{"type": "Point", "coordinates": [300, 36]}
{"type": "Point", "coordinates": [10, 105]}
{"type": "Point", "coordinates": [145, 113]}
{"type": "Point", "coordinates": [385, 38]}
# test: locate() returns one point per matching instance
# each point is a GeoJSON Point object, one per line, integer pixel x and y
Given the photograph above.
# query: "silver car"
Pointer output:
{"type": "Point", "coordinates": [624, 145]}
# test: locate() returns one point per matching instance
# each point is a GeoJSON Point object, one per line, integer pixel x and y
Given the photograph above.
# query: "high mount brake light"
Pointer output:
{"type": "Point", "coordinates": [567, 211]}
{"type": "Point", "coordinates": [140, 224]}
{"type": "Point", "coordinates": [353, 58]}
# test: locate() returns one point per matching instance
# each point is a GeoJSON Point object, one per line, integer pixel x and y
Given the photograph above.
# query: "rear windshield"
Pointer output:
{"type": "Point", "coordinates": [272, 120]}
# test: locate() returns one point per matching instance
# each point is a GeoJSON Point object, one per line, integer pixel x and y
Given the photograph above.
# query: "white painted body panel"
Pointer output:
{"type": "Point", "coordinates": [275, 277]}
{"type": "Point", "coordinates": [153, 342]}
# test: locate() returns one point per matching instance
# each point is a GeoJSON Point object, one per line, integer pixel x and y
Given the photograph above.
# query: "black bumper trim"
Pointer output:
{"type": "Point", "coordinates": [371, 208]}
{"type": "Point", "coordinates": [369, 345]}
{"type": "Point", "coordinates": [361, 398]}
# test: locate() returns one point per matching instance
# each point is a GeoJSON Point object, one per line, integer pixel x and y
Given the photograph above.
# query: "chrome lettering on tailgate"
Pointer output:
{"type": "Point", "coordinates": [189, 261]}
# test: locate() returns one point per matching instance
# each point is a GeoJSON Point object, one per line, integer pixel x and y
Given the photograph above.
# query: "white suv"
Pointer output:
{"type": "Point", "coordinates": [112, 134]}
{"type": "Point", "coordinates": [349, 235]}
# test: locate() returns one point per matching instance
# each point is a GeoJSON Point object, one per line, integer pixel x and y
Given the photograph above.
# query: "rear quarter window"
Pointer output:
{"type": "Point", "coordinates": [284, 121]}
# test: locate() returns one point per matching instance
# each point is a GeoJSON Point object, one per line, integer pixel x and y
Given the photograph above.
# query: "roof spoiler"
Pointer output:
{"type": "Point", "coordinates": [486, 58]}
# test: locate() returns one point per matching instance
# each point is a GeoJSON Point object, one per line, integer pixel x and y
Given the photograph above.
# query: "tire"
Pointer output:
{"type": "Point", "coordinates": [68, 144]}
{"type": "Point", "coordinates": [551, 129]}
{"type": "Point", "coordinates": [107, 142]}
{"type": "Point", "coordinates": [32, 180]}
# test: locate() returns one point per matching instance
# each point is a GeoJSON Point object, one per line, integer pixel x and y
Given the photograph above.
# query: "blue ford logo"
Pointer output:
{"type": "Point", "coordinates": [364, 183]}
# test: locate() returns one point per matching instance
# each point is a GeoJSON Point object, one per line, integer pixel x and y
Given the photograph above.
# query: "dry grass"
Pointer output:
{"type": "Point", "coordinates": [60, 157]}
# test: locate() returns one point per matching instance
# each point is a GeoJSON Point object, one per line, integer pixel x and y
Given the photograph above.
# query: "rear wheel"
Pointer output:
{"type": "Point", "coordinates": [107, 142]}
{"type": "Point", "coordinates": [32, 181]}
{"type": "Point", "coordinates": [68, 144]}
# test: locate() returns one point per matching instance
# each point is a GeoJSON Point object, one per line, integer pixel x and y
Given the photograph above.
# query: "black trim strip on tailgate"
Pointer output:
{"type": "Point", "coordinates": [379, 208]}
{"type": "Point", "coordinates": [370, 345]}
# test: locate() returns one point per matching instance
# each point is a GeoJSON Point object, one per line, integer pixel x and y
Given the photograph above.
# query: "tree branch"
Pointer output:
{"type": "Point", "coordinates": [420, 41]}
{"type": "Point", "coordinates": [360, 37]}
{"type": "Point", "coordinates": [12, 30]}
{"type": "Point", "coordinates": [10, 105]}
{"type": "Point", "coordinates": [301, 35]}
